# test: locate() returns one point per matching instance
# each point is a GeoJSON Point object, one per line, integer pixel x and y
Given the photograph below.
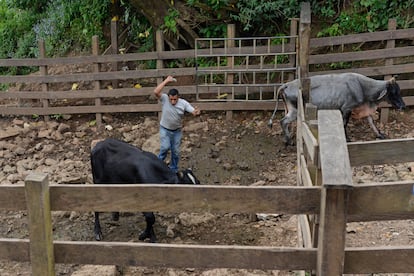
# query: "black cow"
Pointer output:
{"type": "Point", "coordinates": [117, 162]}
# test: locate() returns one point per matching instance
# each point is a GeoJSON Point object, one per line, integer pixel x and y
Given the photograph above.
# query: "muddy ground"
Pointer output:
{"type": "Point", "coordinates": [242, 151]}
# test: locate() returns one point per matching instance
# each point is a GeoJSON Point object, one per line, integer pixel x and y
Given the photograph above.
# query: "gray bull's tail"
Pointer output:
{"type": "Point", "coordinates": [270, 123]}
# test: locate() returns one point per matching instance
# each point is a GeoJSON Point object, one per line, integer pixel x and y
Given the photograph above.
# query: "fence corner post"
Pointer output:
{"type": "Point", "coordinates": [336, 185]}
{"type": "Point", "coordinates": [40, 224]}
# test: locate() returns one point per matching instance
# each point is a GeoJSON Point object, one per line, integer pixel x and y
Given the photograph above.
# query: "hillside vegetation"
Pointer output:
{"type": "Point", "coordinates": [67, 26]}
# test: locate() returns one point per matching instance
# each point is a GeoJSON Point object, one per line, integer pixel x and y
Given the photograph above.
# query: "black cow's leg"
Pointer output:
{"type": "Point", "coordinates": [115, 216]}
{"type": "Point", "coordinates": [97, 229]}
{"type": "Point", "coordinates": [149, 230]}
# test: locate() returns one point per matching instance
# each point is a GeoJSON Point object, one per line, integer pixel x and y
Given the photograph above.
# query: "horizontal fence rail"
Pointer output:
{"type": "Point", "coordinates": [203, 198]}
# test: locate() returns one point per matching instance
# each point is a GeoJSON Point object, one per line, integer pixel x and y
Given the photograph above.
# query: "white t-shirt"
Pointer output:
{"type": "Point", "coordinates": [171, 117]}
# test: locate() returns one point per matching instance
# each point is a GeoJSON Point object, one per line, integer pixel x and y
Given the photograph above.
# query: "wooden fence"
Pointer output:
{"type": "Point", "coordinates": [97, 90]}
{"type": "Point", "coordinates": [325, 198]}
{"type": "Point", "coordinates": [325, 191]}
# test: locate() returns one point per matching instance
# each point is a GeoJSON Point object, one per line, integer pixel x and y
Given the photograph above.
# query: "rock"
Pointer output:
{"type": "Point", "coordinates": [52, 125]}
{"type": "Point", "coordinates": [243, 166]}
{"type": "Point", "coordinates": [259, 183]}
{"type": "Point", "coordinates": [18, 122]}
{"type": "Point", "coordinates": [152, 144]}
{"type": "Point", "coordinates": [191, 127]}
{"type": "Point", "coordinates": [63, 128]}
{"type": "Point", "coordinates": [19, 151]}
{"type": "Point", "coordinates": [49, 148]}
{"type": "Point", "coordinates": [9, 169]}
{"type": "Point", "coordinates": [227, 166]}
{"type": "Point", "coordinates": [9, 132]}
{"type": "Point", "coordinates": [44, 133]}
{"type": "Point", "coordinates": [188, 219]}
{"type": "Point", "coordinates": [92, 270]}
{"type": "Point", "coordinates": [50, 162]}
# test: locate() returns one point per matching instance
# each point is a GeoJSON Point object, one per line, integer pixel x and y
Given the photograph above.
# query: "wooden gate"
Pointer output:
{"type": "Point", "coordinates": [245, 69]}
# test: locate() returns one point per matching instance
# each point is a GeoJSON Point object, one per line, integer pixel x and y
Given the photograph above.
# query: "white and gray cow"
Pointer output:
{"type": "Point", "coordinates": [346, 92]}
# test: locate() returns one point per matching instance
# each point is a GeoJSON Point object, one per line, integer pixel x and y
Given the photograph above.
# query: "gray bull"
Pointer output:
{"type": "Point", "coordinates": [344, 91]}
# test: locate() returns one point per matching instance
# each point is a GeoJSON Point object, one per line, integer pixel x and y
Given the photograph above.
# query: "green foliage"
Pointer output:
{"type": "Point", "coordinates": [15, 25]}
{"type": "Point", "coordinates": [170, 23]}
{"type": "Point", "coordinates": [370, 16]}
{"type": "Point", "coordinates": [214, 31]}
{"type": "Point", "coordinates": [213, 16]}
{"type": "Point", "coordinates": [263, 16]}
{"type": "Point", "coordinates": [69, 25]}
{"type": "Point", "coordinates": [56, 117]}
{"type": "Point", "coordinates": [35, 6]}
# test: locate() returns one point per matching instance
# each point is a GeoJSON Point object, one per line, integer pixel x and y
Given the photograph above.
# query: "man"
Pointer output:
{"type": "Point", "coordinates": [173, 109]}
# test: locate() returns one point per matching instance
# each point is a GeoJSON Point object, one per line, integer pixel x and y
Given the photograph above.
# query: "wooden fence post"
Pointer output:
{"type": "Point", "coordinates": [159, 41]}
{"type": "Point", "coordinates": [293, 41]}
{"type": "Point", "coordinates": [304, 48]}
{"type": "Point", "coordinates": [392, 26]}
{"type": "Point", "coordinates": [40, 225]}
{"type": "Point", "coordinates": [336, 182]}
{"type": "Point", "coordinates": [231, 34]}
{"type": "Point", "coordinates": [97, 83]}
{"type": "Point", "coordinates": [43, 72]}
{"type": "Point", "coordinates": [114, 46]}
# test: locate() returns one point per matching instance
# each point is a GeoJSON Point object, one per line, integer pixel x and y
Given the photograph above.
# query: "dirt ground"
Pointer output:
{"type": "Point", "coordinates": [242, 151]}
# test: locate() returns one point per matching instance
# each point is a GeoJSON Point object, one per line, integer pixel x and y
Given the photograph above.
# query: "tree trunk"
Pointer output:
{"type": "Point", "coordinates": [155, 12]}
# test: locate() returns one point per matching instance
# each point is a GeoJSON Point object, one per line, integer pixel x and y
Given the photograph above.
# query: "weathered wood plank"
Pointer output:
{"type": "Point", "coordinates": [311, 143]}
{"type": "Point", "coordinates": [304, 231]}
{"type": "Point", "coordinates": [362, 55]}
{"type": "Point", "coordinates": [390, 259]}
{"type": "Point", "coordinates": [334, 158]}
{"type": "Point", "coordinates": [204, 106]}
{"type": "Point", "coordinates": [362, 38]}
{"type": "Point", "coordinates": [381, 201]}
{"type": "Point", "coordinates": [332, 230]}
{"type": "Point", "coordinates": [17, 250]}
{"type": "Point", "coordinates": [381, 152]}
{"type": "Point", "coordinates": [336, 182]}
{"type": "Point", "coordinates": [40, 224]}
{"type": "Point", "coordinates": [112, 75]}
{"type": "Point", "coordinates": [12, 198]}
{"type": "Point", "coordinates": [165, 55]}
{"type": "Point", "coordinates": [306, 177]}
{"type": "Point", "coordinates": [182, 256]}
{"type": "Point", "coordinates": [373, 70]}
{"type": "Point", "coordinates": [129, 92]}
{"type": "Point", "coordinates": [181, 198]}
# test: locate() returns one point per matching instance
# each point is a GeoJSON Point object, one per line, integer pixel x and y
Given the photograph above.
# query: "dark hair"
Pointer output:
{"type": "Point", "coordinates": [173, 92]}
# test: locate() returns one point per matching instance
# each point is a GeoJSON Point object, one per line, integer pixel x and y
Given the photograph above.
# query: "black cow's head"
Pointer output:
{"type": "Point", "coordinates": [394, 95]}
{"type": "Point", "coordinates": [187, 177]}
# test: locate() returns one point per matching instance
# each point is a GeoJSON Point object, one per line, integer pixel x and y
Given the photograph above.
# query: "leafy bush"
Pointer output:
{"type": "Point", "coordinates": [69, 25]}
{"type": "Point", "coordinates": [370, 16]}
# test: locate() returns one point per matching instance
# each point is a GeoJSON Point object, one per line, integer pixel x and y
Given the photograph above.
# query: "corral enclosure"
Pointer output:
{"type": "Point", "coordinates": [325, 190]}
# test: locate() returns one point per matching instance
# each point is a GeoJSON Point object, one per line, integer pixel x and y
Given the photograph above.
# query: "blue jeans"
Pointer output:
{"type": "Point", "coordinates": [170, 140]}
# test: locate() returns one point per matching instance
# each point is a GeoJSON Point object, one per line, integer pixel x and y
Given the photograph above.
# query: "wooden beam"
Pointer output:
{"type": "Point", "coordinates": [334, 157]}
{"type": "Point", "coordinates": [381, 152]}
{"type": "Point", "coordinates": [183, 256]}
{"type": "Point", "coordinates": [336, 181]}
{"type": "Point", "coordinates": [381, 201]}
{"type": "Point", "coordinates": [181, 198]}
{"type": "Point", "coordinates": [40, 224]}
{"type": "Point", "coordinates": [390, 259]}
{"type": "Point", "coordinates": [12, 198]}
